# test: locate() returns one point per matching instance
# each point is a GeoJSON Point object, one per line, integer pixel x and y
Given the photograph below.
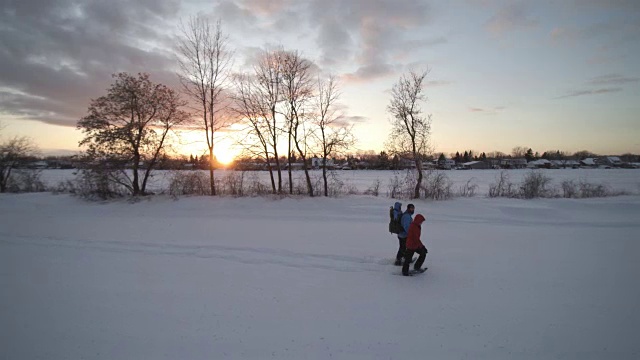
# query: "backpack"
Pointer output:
{"type": "Point", "coordinates": [395, 226]}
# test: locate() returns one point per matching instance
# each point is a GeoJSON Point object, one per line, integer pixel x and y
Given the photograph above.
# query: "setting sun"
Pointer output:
{"type": "Point", "coordinates": [223, 155]}
{"type": "Point", "coordinates": [193, 143]}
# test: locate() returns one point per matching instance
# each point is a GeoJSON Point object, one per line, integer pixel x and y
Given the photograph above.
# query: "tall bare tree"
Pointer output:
{"type": "Point", "coordinates": [297, 93]}
{"type": "Point", "coordinates": [205, 64]}
{"type": "Point", "coordinates": [250, 106]}
{"type": "Point", "coordinates": [410, 128]}
{"type": "Point", "coordinates": [333, 134]}
{"type": "Point", "coordinates": [268, 74]}
{"type": "Point", "coordinates": [129, 128]}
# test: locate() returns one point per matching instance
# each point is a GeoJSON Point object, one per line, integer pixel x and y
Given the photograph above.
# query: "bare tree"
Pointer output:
{"type": "Point", "coordinates": [496, 155]}
{"type": "Point", "coordinates": [13, 153]}
{"type": "Point", "coordinates": [333, 134]}
{"type": "Point", "coordinates": [205, 63]}
{"type": "Point", "coordinates": [268, 73]}
{"type": "Point", "coordinates": [297, 93]}
{"type": "Point", "coordinates": [410, 128]}
{"type": "Point", "coordinates": [249, 105]}
{"type": "Point", "coordinates": [519, 151]}
{"type": "Point", "coordinates": [129, 127]}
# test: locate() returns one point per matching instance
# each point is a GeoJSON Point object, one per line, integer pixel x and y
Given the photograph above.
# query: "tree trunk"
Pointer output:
{"type": "Point", "coordinates": [212, 179]}
{"type": "Point", "coordinates": [306, 174]}
{"type": "Point", "coordinates": [324, 176]}
{"type": "Point", "coordinates": [289, 159]}
{"type": "Point", "coordinates": [273, 182]}
{"type": "Point", "coordinates": [136, 178]}
{"type": "Point", "coordinates": [416, 194]}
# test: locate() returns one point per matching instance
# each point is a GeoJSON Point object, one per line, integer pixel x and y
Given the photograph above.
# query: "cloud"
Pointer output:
{"type": "Point", "coordinates": [589, 92]}
{"type": "Point", "coordinates": [627, 6]}
{"type": "Point", "coordinates": [367, 31]}
{"type": "Point", "coordinates": [510, 18]}
{"type": "Point", "coordinates": [234, 15]}
{"type": "Point", "coordinates": [488, 111]}
{"type": "Point", "coordinates": [612, 79]}
{"type": "Point", "coordinates": [266, 7]}
{"type": "Point", "coordinates": [58, 54]}
{"type": "Point", "coordinates": [369, 73]}
{"type": "Point", "coordinates": [355, 119]}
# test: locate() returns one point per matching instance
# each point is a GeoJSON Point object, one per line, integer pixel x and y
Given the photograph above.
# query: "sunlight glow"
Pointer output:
{"type": "Point", "coordinates": [193, 143]}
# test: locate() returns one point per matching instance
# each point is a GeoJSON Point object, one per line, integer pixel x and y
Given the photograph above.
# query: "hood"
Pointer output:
{"type": "Point", "coordinates": [419, 219]}
{"type": "Point", "coordinates": [397, 206]}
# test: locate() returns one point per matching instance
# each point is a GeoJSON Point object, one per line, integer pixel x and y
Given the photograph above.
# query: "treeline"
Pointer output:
{"type": "Point", "coordinates": [530, 155]}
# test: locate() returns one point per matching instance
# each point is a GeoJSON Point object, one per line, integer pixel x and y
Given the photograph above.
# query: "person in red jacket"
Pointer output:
{"type": "Point", "coordinates": [414, 245]}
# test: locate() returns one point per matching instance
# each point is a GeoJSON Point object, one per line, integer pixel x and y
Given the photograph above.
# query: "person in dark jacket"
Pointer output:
{"type": "Point", "coordinates": [414, 245]}
{"type": "Point", "coordinates": [405, 220]}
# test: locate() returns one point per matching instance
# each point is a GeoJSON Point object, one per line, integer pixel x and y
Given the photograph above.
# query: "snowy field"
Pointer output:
{"type": "Point", "coordinates": [627, 180]}
{"type": "Point", "coordinates": [256, 278]}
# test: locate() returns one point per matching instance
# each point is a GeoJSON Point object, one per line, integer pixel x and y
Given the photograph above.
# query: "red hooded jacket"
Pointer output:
{"type": "Point", "coordinates": [413, 238]}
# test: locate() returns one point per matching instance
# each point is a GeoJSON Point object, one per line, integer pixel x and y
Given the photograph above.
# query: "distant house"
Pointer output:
{"type": "Point", "coordinates": [317, 163]}
{"type": "Point", "coordinates": [429, 165]}
{"type": "Point", "coordinates": [590, 162]}
{"type": "Point", "coordinates": [38, 165]}
{"type": "Point", "coordinates": [565, 164]}
{"type": "Point", "coordinates": [446, 164]}
{"type": "Point", "coordinates": [539, 164]}
{"type": "Point", "coordinates": [513, 163]}
{"type": "Point", "coordinates": [613, 161]}
{"type": "Point", "coordinates": [471, 165]}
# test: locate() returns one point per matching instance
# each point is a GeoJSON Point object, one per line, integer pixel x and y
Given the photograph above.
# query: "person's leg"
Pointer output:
{"type": "Point", "coordinates": [402, 247]}
{"type": "Point", "coordinates": [423, 254]}
{"type": "Point", "coordinates": [407, 261]}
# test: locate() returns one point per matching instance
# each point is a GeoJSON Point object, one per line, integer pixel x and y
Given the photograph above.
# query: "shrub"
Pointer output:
{"type": "Point", "coordinates": [536, 185]}
{"type": "Point", "coordinates": [468, 189]}
{"type": "Point", "coordinates": [98, 184]}
{"type": "Point", "coordinates": [503, 187]}
{"type": "Point", "coordinates": [233, 184]}
{"type": "Point", "coordinates": [437, 186]}
{"type": "Point", "coordinates": [25, 181]}
{"type": "Point", "coordinates": [374, 189]}
{"type": "Point", "coordinates": [189, 182]}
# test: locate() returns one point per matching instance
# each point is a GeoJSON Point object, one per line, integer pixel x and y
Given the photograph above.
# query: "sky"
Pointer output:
{"type": "Point", "coordinates": [546, 75]}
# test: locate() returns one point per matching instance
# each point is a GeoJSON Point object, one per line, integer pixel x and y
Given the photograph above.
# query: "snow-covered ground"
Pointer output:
{"type": "Point", "coordinates": [256, 278]}
{"type": "Point", "coordinates": [627, 180]}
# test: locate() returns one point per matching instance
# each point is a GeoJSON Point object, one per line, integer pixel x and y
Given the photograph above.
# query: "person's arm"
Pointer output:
{"type": "Point", "coordinates": [406, 221]}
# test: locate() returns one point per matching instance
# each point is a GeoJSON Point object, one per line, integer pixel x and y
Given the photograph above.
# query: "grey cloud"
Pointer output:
{"type": "Point", "coordinates": [335, 41]}
{"type": "Point", "coordinates": [589, 92]}
{"type": "Point", "coordinates": [370, 72]}
{"type": "Point", "coordinates": [266, 7]}
{"type": "Point", "coordinates": [487, 111]}
{"type": "Point", "coordinates": [368, 30]}
{"type": "Point", "coordinates": [509, 18]}
{"type": "Point", "coordinates": [624, 5]}
{"type": "Point", "coordinates": [413, 44]}
{"type": "Point", "coordinates": [57, 54]}
{"type": "Point", "coordinates": [356, 119]}
{"type": "Point", "coordinates": [613, 79]}
{"type": "Point", "coordinates": [229, 12]}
